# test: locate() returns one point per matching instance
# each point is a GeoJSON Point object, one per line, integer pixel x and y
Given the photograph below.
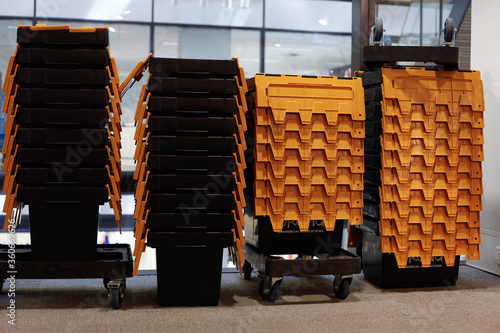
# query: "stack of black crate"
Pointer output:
{"type": "Point", "coordinates": [194, 158]}
{"type": "Point", "coordinates": [60, 130]}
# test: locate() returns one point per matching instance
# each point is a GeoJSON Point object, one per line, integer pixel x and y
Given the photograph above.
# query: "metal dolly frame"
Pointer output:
{"type": "Point", "coordinates": [113, 263]}
{"type": "Point", "coordinates": [272, 269]}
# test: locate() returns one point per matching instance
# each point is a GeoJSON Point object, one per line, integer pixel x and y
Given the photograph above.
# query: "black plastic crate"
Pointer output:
{"type": "Point", "coordinates": [371, 210]}
{"type": "Point", "coordinates": [190, 238]}
{"type": "Point", "coordinates": [372, 145]}
{"type": "Point", "coordinates": [188, 276]}
{"type": "Point", "coordinates": [63, 231]}
{"type": "Point", "coordinates": [373, 94]}
{"type": "Point", "coordinates": [373, 162]}
{"type": "Point", "coordinates": [63, 37]}
{"type": "Point", "coordinates": [172, 183]}
{"type": "Point", "coordinates": [39, 76]}
{"type": "Point", "coordinates": [373, 129]}
{"type": "Point", "coordinates": [382, 269]}
{"type": "Point", "coordinates": [200, 145]}
{"type": "Point", "coordinates": [158, 221]}
{"type": "Point", "coordinates": [371, 194]}
{"type": "Point", "coordinates": [44, 116]}
{"type": "Point", "coordinates": [192, 107]}
{"type": "Point", "coordinates": [373, 111]}
{"type": "Point", "coordinates": [370, 78]}
{"type": "Point", "coordinates": [372, 178]}
{"type": "Point", "coordinates": [159, 66]}
{"type": "Point", "coordinates": [53, 194]}
{"type": "Point", "coordinates": [190, 203]}
{"type": "Point", "coordinates": [205, 86]}
{"type": "Point", "coordinates": [40, 96]}
{"type": "Point", "coordinates": [40, 57]}
{"type": "Point", "coordinates": [84, 176]}
{"type": "Point", "coordinates": [370, 223]}
{"type": "Point", "coordinates": [63, 159]}
{"type": "Point", "coordinates": [173, 124]}
{"type": "Point", "coordinates": [259, 233]}
{"type": "Point", "coordinates": [198, 164]}
{"type": "Point", "coordinates": [46, 136]}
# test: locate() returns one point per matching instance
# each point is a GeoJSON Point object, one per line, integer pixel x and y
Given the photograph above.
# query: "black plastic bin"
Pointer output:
{"type": "Point", "coordinates": [193, 164]}
{"type": "Point", "coordinates": [82, 39]}
{"type": "Point", "coordinates": [171, 183]}
{"type": "Point", "coordinates": [90, 77]}
{"type": "Point", "coordinates": [47, 136]}
{"type": "Point", "coordinates": [382, 269]}
{"type": "Point", "coordinates": [198, 86]}
{"type": "Point", "coordinates": [198, 145]}
{"type": "Point", "coordinates": [90, 118]}
{"type": "Point", "coordinates": [158, 221]}
{"type": "Point", "coordinates": [199, 126]}
{"type": "Point", "coordinates": [81, 176]}
{"type": "Point", "coordinates": [189, 267]}
{"type": "Point", "coordinates": [192, 107]}
{"type": "Point", "coordinates": [67, 57]}
{"type": "Point", "coordinates": [62, 159]}
{"type": "Point", "coordinates": [64, 231]}
{"type": "Point", "coordinates": [191, 203]}
{"type": "Point", "coordinates": [159, 66]}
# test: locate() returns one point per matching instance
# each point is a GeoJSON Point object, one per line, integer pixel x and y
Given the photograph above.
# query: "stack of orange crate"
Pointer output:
{"type": "Point", "coordinates": [308, 149]}
{"type": "Point", "coordinates": [432, 148]}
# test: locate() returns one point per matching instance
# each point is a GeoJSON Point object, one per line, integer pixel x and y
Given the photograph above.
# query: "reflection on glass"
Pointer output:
{"type": "Point", "coordinates": [310, 15]}
{"type": "Point", "coordinates": [403, 21]}
{"type": "Point", "coordinates": [235, 13]}
{"type": "Point", "coordinates": [206, 43]}
{"type": "Point", "coordinates": [20, 8]}
{"type": "Point", "coordinates": [166, 42]}
{"type": "Point", "coordinates": [114, 10]}
{"type": "Point", "coordinates": [307, 54]}
{"type": "Point", "coordinates": [245, 44]}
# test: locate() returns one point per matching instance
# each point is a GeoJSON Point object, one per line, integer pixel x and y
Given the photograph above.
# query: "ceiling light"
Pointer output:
{"type": "Point", "coordinates": [245, 4]}
{"type": "Point", "coordinates": [126, 12]}
{"type": "Point", "coordinates": [277, 45]}
{"type": "Point", "coordinates": [119, 17]}
{"type": "Point", "coordinates": [323, 21]}
{"type": "Point", "coordinates": [111, 29]}
{"type": "Point", "coordinates": [203, 3]}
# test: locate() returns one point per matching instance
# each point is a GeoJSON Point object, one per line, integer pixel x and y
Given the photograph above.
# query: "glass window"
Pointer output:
{"type": "Point", "coordinates": [129, 44]}
{"type": "Point", "coordinates": [307, 54]}
{"type": "Point", "coordinates": [206, 43]}
{"type": "Point", "coordinates": [20, 8]}
{"type": "Point", "coordinates": [8, 43]}
{"type": "Point", "coordinates": [166, 42]}
{"type": "Point", "coordinates": [312, 15]}
{"type": "Point", "coordinates": [245, 44]}
{"type": "Point", "coordinates": [430, 23]}
{"type": "Point", "coordinates": [401, 21]}
{"type": "Point", "coordinates": [114, 10]}
{"type": "Point", "coordinates": [235, 13]}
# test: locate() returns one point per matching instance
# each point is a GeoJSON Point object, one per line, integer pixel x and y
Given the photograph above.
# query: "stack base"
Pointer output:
{"type": "Point", "coordinates": [382, 269]}
{"type": "Point", "coordinates": [188, 276]}
{"type": "Point", "coordinates": [63, 231]}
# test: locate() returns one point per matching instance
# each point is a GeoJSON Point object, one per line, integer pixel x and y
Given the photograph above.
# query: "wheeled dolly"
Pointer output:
{"type": "Point", "coordinates": [271, 270]}
{"type": "Point", "coordinates": [113, 263]}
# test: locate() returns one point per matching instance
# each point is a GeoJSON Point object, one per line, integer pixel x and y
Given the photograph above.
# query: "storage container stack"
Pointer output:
{"type": "Point", "coordinates": [431, 152]}
{"type": "Point", "coordinates": [308, 151]}
{"type": "Point", "coordinates": [190, 163]}
{"type": "Point", "coordinates": [62, 140]}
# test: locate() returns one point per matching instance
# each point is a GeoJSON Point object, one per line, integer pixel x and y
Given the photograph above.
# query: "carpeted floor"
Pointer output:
{"type": "Point", "coordinates": [306, 305]}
